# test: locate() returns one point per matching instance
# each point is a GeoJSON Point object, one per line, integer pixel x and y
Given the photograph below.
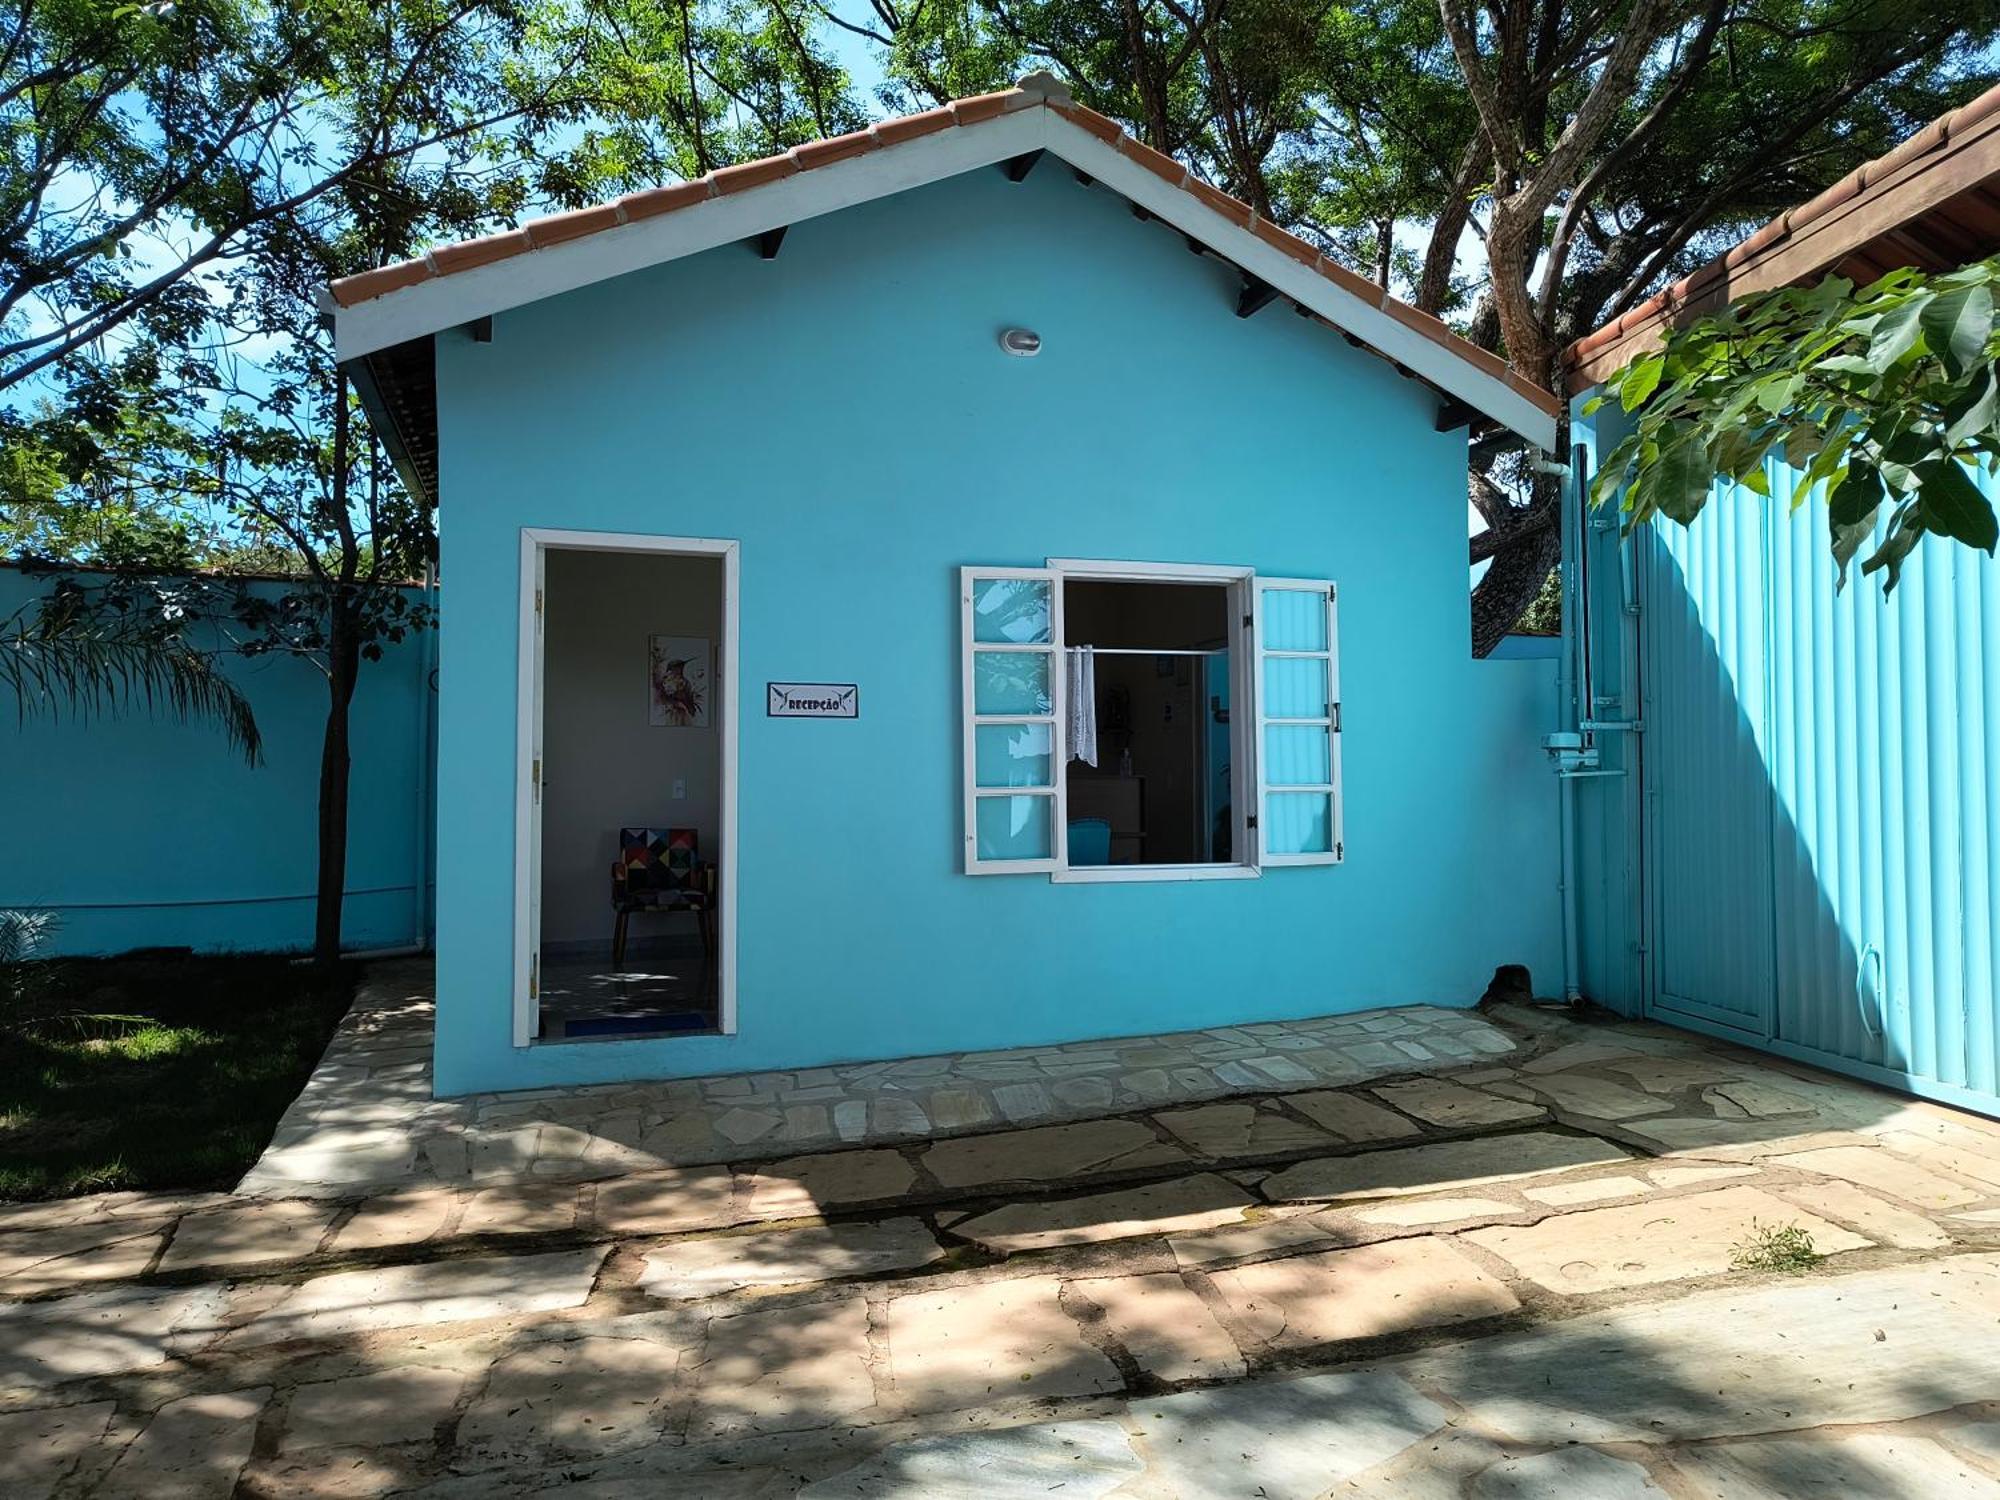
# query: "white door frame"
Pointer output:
{"type": "Point", "coordinates": [535, 542]}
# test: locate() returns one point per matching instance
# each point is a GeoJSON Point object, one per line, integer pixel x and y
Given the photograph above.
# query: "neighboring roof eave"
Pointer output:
{"type": "Point", "coordinates": [1933, 202]}
{"type": "Point", "coordinates": [458, 284]}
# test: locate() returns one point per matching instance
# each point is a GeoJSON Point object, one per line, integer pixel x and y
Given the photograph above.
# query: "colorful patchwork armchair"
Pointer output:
{"type": "Point", "coordinates": [660, 869]}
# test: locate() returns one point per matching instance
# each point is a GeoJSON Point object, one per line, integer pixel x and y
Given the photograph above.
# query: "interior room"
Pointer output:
{"type": "Point", "coordinates": [631, 794]}
{"type": "Point", "coordinates": [1150, 782]}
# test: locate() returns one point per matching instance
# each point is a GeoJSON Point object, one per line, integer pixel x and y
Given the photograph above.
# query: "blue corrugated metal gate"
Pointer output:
{"type": "Point", "coordinates": [1811, 796]}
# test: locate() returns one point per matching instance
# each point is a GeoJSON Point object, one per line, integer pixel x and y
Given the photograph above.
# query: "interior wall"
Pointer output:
{"type": "Point", "coordinates": [605, 765]}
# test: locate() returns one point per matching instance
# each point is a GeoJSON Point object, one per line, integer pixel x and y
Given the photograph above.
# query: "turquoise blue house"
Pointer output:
{"type": "Point", "coordinates": [961, 585]}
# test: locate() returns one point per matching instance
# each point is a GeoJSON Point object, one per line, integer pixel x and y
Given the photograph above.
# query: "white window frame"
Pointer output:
{"type": "Point", "coordinates": [1247, 788]}
{"type": "Point", "coordinates": [536, 543]}
{"type": "Point", "coordinates": [1057, 794]}
{"type": "Point", "coordinates": [1330, 720]}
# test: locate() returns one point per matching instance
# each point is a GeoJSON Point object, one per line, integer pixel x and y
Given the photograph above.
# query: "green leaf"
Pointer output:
{"type": "Point", "coordinates": [1954, 507]}
{"type": "Point", "coordinates": [1593, 405]}
{"type": "Point", "coordinates": [1906, 529]}
{"type": "Point", "coordinates": [1897, 333]}
{"type": "Point", "coordinates": [1801, 443]}
{"type": "Point", "coordinates": [1775, 395]}
{"type": "Point", "coordinates": [1847, 542]}
{"type": "Point", "coordinates": [1683, 475]}
{"type": "Point", "coordinates": [1641, 380]}
{"type": "Point", "coordinates": [1855, 496]}
{"type": "Point", "coordinates": [1956, 327]}
{"type": "Point", "coordinates": [1976, 411]}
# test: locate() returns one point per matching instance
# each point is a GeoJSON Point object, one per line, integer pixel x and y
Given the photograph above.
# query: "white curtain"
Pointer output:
{"type": "Point", "coordinates": [1080, 688]}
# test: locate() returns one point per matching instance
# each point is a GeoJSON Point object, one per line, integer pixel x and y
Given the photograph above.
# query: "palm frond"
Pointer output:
{"type": "Point", "coordinates": [22, 933]}
{"type": "Point", "coordinates": [72, 663]}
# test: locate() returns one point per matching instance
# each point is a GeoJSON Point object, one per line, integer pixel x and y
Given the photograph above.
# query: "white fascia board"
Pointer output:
{"type": "Point", "coordinates": [1374, 327]}
{"type": "Point", "coordinates": [448, 301]}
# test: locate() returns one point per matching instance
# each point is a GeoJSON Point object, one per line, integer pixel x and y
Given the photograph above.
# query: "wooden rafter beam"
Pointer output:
{"type": "Point", "coordinates": [1018, 167]}
{"type": "Point", "coordinates": [1255, 297]}
{"type": "Point", "coordinates": [1453, 415]}
{"type": "Point", "coordinates": [768, 242]}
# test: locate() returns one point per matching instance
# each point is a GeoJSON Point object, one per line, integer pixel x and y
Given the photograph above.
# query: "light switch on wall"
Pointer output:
{"type": "Point", "coordinates": [680, 789]}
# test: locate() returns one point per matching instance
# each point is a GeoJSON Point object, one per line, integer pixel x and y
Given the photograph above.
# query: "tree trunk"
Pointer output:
{"type": "Point", "coordinates": [335, 762]}
{"type": "Point", "coordinates": [1510, 585]}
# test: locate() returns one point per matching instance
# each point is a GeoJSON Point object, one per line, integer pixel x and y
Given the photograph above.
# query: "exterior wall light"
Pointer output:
{"type": "Point", "coordinates": [1022, 341]}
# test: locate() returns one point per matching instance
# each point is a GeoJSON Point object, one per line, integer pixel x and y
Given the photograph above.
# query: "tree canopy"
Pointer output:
{"type": "Point", "coordinates": [178, 178]}
{"type": "Point", "coordinates": [1889, 395]}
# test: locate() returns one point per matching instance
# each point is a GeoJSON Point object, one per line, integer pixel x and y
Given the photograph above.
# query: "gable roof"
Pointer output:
{"type": "Point", "coordinates": [1932, 203]}
{"type": "Point", "coordinates": [383, 319]}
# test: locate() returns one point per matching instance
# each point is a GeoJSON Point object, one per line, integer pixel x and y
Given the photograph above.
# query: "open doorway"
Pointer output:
{"type": "Point", "coordinates": [628, 879]}
{"type": "Point", "coordinates": [1155, 785]}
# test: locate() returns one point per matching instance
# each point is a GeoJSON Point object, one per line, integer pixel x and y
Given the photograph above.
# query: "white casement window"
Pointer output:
{"type": "Point", "coordinates": [1298, 722]}
{"type": "Point", "coordinates": [1013, 706]}
{"type": "Point", "coordinates": [1206, 744]}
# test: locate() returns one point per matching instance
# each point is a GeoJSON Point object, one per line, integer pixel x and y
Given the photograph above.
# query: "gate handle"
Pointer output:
{"type": "Point", "coordinates": [1860, 969]}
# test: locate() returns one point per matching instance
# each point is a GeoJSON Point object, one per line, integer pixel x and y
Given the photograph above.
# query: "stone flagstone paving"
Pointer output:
{"type": "Point", "coordinates": [1503, 1275]}
{"type": "Point", "coordinates": [366, 1118]}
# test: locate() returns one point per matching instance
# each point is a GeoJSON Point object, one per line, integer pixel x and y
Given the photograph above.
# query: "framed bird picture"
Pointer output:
{"type": "Point", "coordinates": [677, 681]}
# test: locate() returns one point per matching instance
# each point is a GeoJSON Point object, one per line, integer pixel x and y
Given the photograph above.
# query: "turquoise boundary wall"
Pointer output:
{"type": "Point", "coordinates": [139, 831]}
{"type": "Point", "coordinates": [1805, 858]}
{"type": "Point", "coordinates": [845, 413]}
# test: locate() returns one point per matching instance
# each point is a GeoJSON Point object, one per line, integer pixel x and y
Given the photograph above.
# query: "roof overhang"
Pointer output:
{"type": "Point", "coordinates": [378, 335]}
{"type": "Point", "coordinates": [1932, 203]}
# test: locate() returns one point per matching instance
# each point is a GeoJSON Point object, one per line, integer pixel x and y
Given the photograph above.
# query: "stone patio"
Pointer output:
{"type": "Point", "coordinates": [1505, 1276]}
{"type": "Point", "coordinates": [366, 1119]}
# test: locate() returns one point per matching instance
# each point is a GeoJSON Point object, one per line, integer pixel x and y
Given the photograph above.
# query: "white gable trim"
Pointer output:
{"type": "Point", "coordinates": [447, 301]}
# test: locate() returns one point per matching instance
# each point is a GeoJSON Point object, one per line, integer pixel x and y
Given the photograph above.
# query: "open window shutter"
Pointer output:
{"type": "Point", "coordinates": [1013, 698]}
{"type": "Point", "coordinates": [1298, 723]}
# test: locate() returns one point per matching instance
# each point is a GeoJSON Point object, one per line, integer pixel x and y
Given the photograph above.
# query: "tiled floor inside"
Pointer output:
{"type": "Point", "coordinates": [663, 989]}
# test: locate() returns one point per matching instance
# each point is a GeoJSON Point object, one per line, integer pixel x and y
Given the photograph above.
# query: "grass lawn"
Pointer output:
{"type": "Point", "coordinates": [153, 1071]}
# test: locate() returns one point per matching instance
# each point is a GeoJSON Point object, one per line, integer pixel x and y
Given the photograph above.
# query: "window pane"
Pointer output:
{"type": "Point", "coordinates": [1013, 755]}
{"type": "Point", "coordinates": [1012, 827]}
{"type": "Point", "coordinates": [1296, 755]}
{"type": "Point", "coordinates": [1015, 610]}
{"type": "Point", "coordinates": [1294, 620]}
{"type": "Point", "coordinates": [1011, 682]}
{"type": "Point", "coordinates": [1295, 687]}
{"type": "Point", "coordinates": [1301, 823]}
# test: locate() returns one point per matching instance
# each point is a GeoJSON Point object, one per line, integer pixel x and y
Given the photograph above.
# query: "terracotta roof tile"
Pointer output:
{"type": "Point", "coordinates": [833, 149]}
{"type": "Point", "coordinates": [1221, 202]}
{"type": "Point", "coordinates": [980, 107]}
{"type": "Point", "coordinates": [1037, 90]}
{"type": "Point", "coordinates": [1157, 162]}
{"type": "Point", "coordinates": [449, 260]}
{"type": "Point", "coordinates": [1367, 291]}
{"type": "Point", "coordinates": [664, 200]}
{"type": "Point", "coordinates": [1411, 317]}
{"type": "Point", "coordinates": [1089, 119]}
{"type": "Point", "coordinates": [1910, 158]}
{"type": "Point", "coordinates": [752, 174]}
{"type": "Point", "coordinates": [379, 283]}
{"type": "Point", "coordinates": [1282, 239]}
{"type": "Point", "coordinates": [909, 127]}
{"type": "Point", "coordinates": [556, 228]}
